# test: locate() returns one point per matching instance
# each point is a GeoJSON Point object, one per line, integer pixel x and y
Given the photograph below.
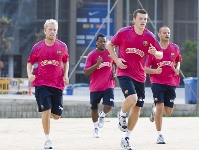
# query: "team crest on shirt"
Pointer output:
{"type": "Point", "coordinates": [126, 91]}
{"type": "Point", "coordinates": [58, 52]}
{"type": "Point", "coordinates": [155, 99]}
{"type": "Point", "coordinates": [172, 54]}
{"type": "Point", "coordinates": [145, 43]}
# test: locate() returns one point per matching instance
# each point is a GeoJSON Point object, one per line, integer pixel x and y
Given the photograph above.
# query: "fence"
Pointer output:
{"type": "Point", "coordinates": [15, 86]}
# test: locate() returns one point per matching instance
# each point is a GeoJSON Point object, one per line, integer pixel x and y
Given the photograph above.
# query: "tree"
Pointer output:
{"type": "Point", "coordinates": [5, 43]}
{"type": "Point", "coordinates": [189, 58]}
{"type": "Point", "coordinates": [40, 36]}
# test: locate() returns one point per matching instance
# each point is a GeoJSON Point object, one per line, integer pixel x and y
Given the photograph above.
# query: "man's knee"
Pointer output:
{"type": "Point", "coordinates": [168, 112]}
{"type": "Point", "coordinates": [131, 100]}
{"type": "Point", "coordinates": [56, 117]}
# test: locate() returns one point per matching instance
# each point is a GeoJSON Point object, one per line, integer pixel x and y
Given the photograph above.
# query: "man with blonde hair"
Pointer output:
{"type": "Point", "coordinates": [50, 77]}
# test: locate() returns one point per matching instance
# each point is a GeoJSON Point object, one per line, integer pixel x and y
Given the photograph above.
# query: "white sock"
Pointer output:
{"type": "Point", "coordinates": [154, 109]}
{"type": "Point", "coordinates": [47, 136]}
{"type": "Point", "coordinates": [95, 124]}
{"type": "Point", "coordinates": [102, 114]}
{"type": "Point", "coordinates": [122, 113]}
{"type": "Point", "coordinates": [127, 133]}
{"type": "Point", "coordinates": [159, 133]}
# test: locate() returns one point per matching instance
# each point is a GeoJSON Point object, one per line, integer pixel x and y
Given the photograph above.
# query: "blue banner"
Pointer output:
{"type": "Point", "coordinates": [90, 16]}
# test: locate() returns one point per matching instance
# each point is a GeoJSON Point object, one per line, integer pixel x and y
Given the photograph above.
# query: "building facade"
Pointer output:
{"type": "Point", "coordinates": [79, 21]}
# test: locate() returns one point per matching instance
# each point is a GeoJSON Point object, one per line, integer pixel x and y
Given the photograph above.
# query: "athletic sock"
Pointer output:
{"type": "Point", "coordinates": [47, 136]}
{"type": "Point", "coordinates": [122, 114]}
{"type": "Point", "coordinates": [102, 114]}
{"type": "Point", "coordinates": [95, 124]}
{"type": "Point", "coordinates": [154, 110]}
{"type": "Point", "coordinates": [159, 133]}
{"type": "Point", "coordinates": [127, 134]}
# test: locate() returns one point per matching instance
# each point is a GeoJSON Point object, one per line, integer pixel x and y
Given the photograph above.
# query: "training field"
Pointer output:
{"type": "Point", "coordinates": [77, 134]}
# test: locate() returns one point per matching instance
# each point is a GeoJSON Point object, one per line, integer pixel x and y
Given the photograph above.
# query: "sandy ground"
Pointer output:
{"type": "Point", "coordinates": [77, 134]}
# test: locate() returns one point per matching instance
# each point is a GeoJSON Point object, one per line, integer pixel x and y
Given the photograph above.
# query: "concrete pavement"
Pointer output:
{"type": "Point", "coordinates": [77, 134]}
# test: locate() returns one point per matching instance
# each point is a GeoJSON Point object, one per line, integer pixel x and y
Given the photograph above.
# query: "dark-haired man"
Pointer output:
{"type": "Point", "coordinates": [134, 44]}
{"type": "Point", "coordinates": [99, 66]}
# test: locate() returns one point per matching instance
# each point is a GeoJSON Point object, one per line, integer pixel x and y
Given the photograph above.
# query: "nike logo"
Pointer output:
{"type": "Point", "coordinates": [93, 13]}
{"type": "Point", "coordinates": [111, 99]}
{"type": "Point", "coordinates": [60, 107]}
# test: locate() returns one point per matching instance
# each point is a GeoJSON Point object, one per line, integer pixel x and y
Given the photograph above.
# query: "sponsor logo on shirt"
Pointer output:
{"type": "Point", "coordinates": [165, 63]}
{"type": "Point", "coordinates": [145, 43]}
{"type": "Point", "coordinates": [58, 52]}
{"type": "Point", "coordinates": [104, 64]}
{"type": "Point", "coordinates": [135, 51]}
{"type": "Point", "coordinates": [49, 62]}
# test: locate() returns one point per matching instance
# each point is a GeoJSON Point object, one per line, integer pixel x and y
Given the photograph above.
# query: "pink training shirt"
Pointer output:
{"type": "Point", "coordinates": [101, 78]}
{"type": "Point", "coordinates": [171, 56]}
{"type": "Point", "coordinates": [50, 63]}
{"type": "Point", "coordinates": [134, 49]}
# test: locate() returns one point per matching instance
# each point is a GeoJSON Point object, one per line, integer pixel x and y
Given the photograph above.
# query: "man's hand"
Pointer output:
{"type": "Point", "coordinates": [176, 70]}
{"type": "Point", "coordinates": [120, 64]}
{"type": "Point", "coordinates": [113, 77]}
{"type": "Point", "coordinates": [158, 70]}
{"type": "Point", "coordinates": [152, 50]}
{"type": "Point", "coordinates": [66, 80]}
{"type": "Point", "coordinates": [99, 61]}
{"type": "Point", "coordinates": [31, 78]}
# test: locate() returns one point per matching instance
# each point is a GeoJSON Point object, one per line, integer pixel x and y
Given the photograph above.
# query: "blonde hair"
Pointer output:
{"type": "Point", "coordinates": [50, 21]}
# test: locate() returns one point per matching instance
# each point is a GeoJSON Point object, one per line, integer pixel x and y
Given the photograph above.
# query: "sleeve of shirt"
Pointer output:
{"type": "Point", "coordinates": [155, 42]}
{"type": "Point", "coordinates": [66, 55]}
{"type": "Point", "coordinates": [115, 39]}
{"type": "Point", "coordinates": [33, 56]}
{"type": "Point", "coordinates": [88, 62]}
{"type": "Point", "coordinates": [179, 57]}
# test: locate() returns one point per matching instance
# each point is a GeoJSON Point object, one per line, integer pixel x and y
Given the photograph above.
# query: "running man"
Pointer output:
{"type": "Point", "coordinates": [50, 77]}
{"type": "Point", "coordinates": [134, 44]}
{"type": "Point", "coordinates": [99, 66]}
{"type": "Point", "coordinates": [164, 77]}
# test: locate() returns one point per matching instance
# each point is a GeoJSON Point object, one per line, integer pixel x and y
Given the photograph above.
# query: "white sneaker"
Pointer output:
{"type": "Point", "coordinates": [48, 144]}
{"type": "Point", "coordinates": [152, 116]}
{"type": "Point", "coordinates": [122, 125]}
{"type": "Point", "coordinates": [160, 139]}
{"type": "Point", "coordinates": [96, 133]}
{"type": "Point", "coordinates": [125, 143]}
{"type": "Point", "coordinates": [100, 121]}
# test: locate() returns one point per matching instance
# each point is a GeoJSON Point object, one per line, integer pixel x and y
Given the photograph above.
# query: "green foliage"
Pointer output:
{"type": "Point", "coordinates": [5, 43]}
{"type": "Point", "coordinates": [189, 58]}
{"type": "Point", "coordinates": [40, 36]}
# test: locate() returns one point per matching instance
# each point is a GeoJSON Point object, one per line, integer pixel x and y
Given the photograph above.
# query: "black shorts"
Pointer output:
{"type": "Point", "coordinates": [164, 94]}
{"type": "Point", "coordinates": [130, 86]}
{"type": "Point", "coordinates": [49, 98]}
{"type": "Point", "coordinates": [107, 95]}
